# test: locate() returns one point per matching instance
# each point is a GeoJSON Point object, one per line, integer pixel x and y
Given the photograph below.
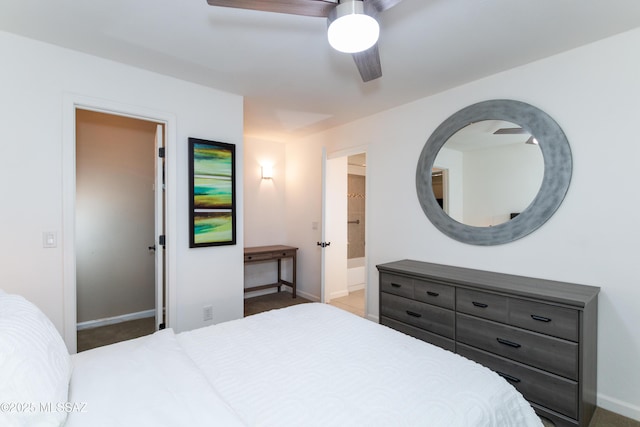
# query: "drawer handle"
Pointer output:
{"type": "Point", "coordinates": [540, 318]}
{"type": "Point", "coordinates": [395, 285]}
{"type": "Point", "coordinates": [508, 343]}
{"type": "Point", "coordinates": [508, 377]}
{"type": "Point", "coordinates": [249, 257]}
{"type": "Point", "coordinates": [414, 314]}
{"type": "Point", "coordinates": [432, 294]}
{"type": "Point", "coordinates": [479, 304]}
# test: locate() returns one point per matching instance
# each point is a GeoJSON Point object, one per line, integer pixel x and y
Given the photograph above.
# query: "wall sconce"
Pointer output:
{"type": "Point", "coordinates": [267, 172]}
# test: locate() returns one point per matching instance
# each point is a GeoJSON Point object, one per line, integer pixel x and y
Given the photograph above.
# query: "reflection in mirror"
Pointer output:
{"type": "Point", "coordinates": [438, 177]}
{"type": "Point", "coordinates": [487, 173]}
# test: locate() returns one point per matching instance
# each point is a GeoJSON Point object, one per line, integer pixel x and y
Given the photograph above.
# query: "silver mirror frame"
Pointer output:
{"type": "Point", "coordinates": [558, 166]}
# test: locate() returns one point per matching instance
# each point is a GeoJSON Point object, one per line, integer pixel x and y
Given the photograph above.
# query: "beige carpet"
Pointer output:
{"type": "Point", "coordinates": [271, 301]}
{"type": "Point", "coordinates": [604, 418]}
{"type": "Point", "coordinates": [97, 337]}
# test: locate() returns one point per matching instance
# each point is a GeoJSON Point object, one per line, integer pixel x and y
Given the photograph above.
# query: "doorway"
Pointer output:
{"type": "Point", "coordinates": [344, 223]}
{"type": "Point", "coordinates": [119, 212]}
{"type": "Point", "coordinates": [440, 185]}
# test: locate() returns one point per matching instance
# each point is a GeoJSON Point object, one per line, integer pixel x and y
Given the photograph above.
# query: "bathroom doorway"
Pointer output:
{"type": "Point", "coordinates": [354, 299]}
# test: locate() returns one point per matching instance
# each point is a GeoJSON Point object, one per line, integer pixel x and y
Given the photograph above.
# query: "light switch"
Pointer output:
{"type": "Point", "coordinates": [49, 239]}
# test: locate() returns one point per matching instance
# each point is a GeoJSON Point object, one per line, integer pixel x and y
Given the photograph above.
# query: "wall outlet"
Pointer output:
{"type": "Point", "coordinates": [207, 313]}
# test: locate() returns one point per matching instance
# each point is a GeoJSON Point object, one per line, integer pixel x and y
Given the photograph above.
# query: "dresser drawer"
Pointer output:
{"type": "Point", "coordinates": [544, 352]}
{"type": "Point", "coordinates": [421, 334]}
{"type": "Point", "coordinates": [434, 293]}
{"type": "Point", "coordinates": [481, 304]}
{"type": "Point", "coordinates": [431, 318]}
{"type": "Point", "coordinates": [558, 420]}
{"type": "Point", "coordinates": [553, 392]}
{"type": "Point", "coordinates": [548, 319]}
{"type": "Point", "coordinates": [398, 285]}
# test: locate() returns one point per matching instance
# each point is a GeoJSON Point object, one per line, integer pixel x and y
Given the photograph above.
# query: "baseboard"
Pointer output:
{"type": "Point", "coordinates": [619, 407]}
{"type": "Point", "coordinates": [356, 287]}
{"type": "Point", "coordinates": [261, 292]}
{"type": "Point", "coordinates": [303, 294]}
{"type": "Point", "coordinates": [308, 296]}
{"type": "Point", "coordinates": [285, 288]}
{"type": "Point", "coordinates": [89, 324]}
{"type": "Point", "coordinates": [338, 294]}
{"type": "Point", "coordinates": [373, 318]}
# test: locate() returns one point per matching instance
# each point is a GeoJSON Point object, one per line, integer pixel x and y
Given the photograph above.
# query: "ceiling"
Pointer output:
{"type": "Point", "coordinates": [481, 135]}
{"type": "Point", "coordinates": [294, 84]}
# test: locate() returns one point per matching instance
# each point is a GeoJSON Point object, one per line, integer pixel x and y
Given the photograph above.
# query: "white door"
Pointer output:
{"type": "Point", "coordinates": [334, 228]}
{"type": "Point", "coordinates": [159, 230]}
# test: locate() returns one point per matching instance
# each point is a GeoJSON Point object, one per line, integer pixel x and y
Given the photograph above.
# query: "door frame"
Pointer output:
{"type": "Point", "coordinates": [71, 103]}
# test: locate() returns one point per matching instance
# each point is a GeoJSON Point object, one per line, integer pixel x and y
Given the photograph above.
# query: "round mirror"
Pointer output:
{"type": "Point", "coordinates": [493, 172]}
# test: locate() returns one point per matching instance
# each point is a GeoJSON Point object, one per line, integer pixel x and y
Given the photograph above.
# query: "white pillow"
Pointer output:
{"type": "Point", "coordinates": [35, 366]}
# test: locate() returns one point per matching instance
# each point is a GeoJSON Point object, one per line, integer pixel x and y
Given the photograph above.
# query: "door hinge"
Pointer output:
{"type": "Point", "coordinates": [161, 152]}
{"type": "Point", "coordinates": [161, 240]}
{"type": "Point", "coordinates": [324, 244]}
{"type": "Point", "coordinates": [162, 326]}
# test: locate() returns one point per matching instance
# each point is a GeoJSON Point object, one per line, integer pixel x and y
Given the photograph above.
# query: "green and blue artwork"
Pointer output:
{"type": "Point", "coordinates": [212, 193]}
{"type": "Point", "coordinates": [212, 227]}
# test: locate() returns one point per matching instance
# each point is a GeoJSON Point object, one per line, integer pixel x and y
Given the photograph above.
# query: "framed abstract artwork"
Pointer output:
{"type": "Point", "coordinates": [212, 193]}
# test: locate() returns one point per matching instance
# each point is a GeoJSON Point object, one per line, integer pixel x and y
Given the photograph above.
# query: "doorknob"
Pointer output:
{"type": "Point", "coordinates": [152, 248]}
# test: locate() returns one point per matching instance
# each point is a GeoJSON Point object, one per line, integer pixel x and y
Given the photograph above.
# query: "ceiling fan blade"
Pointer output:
{"type": "Point", "coordinates": [510, 131]}
{"type": "Point", "coordinates": [368, 63]}
{"type": "Point", "coordinates": [320, 8]}
{"type": "Point", "coordinates": [382, 5]}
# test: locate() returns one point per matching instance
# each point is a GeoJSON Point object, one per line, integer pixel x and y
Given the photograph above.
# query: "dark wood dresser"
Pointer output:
{"type": "Point", "coordinates": [540, 335]}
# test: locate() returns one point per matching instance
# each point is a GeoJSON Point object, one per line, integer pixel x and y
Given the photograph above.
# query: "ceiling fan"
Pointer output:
{"type": "Point", "coordinates": [367, 58]}
{"type": "Point", "coordinates": [516, 131]}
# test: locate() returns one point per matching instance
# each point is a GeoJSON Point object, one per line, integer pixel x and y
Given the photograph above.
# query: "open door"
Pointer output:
{"type": "Point", "coordinates": [159, 230]}
{"type": "Point", "coordinates": [334, 228]}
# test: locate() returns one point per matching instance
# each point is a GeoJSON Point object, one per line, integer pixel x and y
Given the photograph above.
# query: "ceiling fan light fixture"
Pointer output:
{"type": "Point", "coordinates": [352, 31]}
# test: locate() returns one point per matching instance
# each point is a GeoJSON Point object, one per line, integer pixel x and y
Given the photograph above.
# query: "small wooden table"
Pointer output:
{"type": "Point", "coordinates": [272, 253]}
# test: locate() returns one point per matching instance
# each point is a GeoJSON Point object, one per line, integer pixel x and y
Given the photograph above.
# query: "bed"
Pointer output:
{"type": "Point", "coordinates": [306, 365]}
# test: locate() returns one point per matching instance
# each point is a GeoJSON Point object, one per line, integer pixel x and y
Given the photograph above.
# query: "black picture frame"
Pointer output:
{"type": "Point", "coordinates": [212, 193]}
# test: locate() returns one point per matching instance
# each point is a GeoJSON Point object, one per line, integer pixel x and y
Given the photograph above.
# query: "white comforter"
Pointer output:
{"type": "Point", "coordinates": [306, 365]}
{"type": "Point", "coordinates": [146, 382]}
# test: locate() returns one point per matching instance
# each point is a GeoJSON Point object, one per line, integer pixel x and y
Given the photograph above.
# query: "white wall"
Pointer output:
{"type": "Point", "coordinates": [499, 181]}
{"type": "Point", "coordinates": [34, 79]}
{"type": "Point", "coordinates": [264, 199]}
{"type": "Point", "coordinates": [593, 93]}
{"type": "Point", "coordinates": [264, 202]}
